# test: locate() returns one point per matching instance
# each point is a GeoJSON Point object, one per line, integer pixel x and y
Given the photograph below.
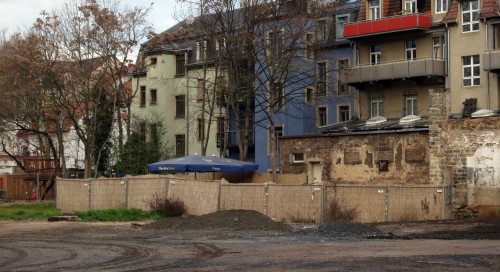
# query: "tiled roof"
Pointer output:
{"type": "Point", "coordinates": [489, 9]}
{"type": "Point", "coordinates": [452, 14]}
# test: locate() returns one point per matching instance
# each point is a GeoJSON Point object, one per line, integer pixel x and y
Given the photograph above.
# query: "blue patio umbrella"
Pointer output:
{"type": "Point", "coordinates": [197, 163]}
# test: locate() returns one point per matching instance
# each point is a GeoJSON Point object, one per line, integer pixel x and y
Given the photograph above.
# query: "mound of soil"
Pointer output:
{"type": "Point", "coordinates": [235, 220]}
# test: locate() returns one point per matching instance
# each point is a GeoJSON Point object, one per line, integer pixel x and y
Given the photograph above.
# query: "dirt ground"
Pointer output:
{"type": "Point", "coordinates": [250, 241]}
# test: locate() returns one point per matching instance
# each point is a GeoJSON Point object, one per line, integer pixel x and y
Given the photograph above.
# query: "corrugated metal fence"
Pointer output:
{"type": "Point", "coordinates": [294, 203]}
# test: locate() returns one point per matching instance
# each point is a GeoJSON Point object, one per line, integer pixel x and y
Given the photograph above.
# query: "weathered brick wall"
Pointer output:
{"type": "Point", "coordinates": [353, 159]}
{"type": "Point", "coordinates": [467, 150]}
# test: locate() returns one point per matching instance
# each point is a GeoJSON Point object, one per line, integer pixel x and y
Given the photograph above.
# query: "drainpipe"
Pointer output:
{"type": "Point", "coordinates": [487, 72]}
{"type": "Point", "coordinates": [447, 53]}
{"type": "Point", "coordinates": [186, 143]}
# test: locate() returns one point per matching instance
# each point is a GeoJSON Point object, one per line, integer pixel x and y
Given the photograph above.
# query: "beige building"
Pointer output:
{"type": "Point", "coordinates": [172, 90]}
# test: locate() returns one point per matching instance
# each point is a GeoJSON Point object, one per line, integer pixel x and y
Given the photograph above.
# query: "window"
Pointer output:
{"type": "Point", "coordinates": [321, 79]}
{"type": "Point", "coordinates": [471, 68]}
{"type": "Point", "coordinates": [297, 157]}
{"type": "Point", "coordinates": [309, 95]}
{"type": "Point", "coordinates": [201, 129]}
{"type": "Point", "coordinates": [143, 96]}
{"type": "Point", "coordinates": [470, 16]}
{"type": "Point", "coordinates": [220, 132]}
{"type": "Point", "coordinates": [180, 145]}
{"type": "Point", "coordinates": [220, 47]}
{"type": "Point", "coordinates": [201, 50]}
{"type": "Point", "coordinates": [321, 118]}
{"type": "Point", "coordinates": [309, 46]}
{"type": "Point", "coordinates": [377, 104]}
{"type": "Point", "coordinates": [152, 94]}
{"type": "Point", "coordinates": [437, 51]}
{"type": "Point", "coordinates": [341, 21]}
{"type": "Point", "coordinates": [410, 6]}
{"type": "Point", "coordinates": [221, 84]}
{"type": "Point", "coordinates": [180, 61]}
{"type": "Point", "coordinates": [321, 30]}
{"type": "Point", "coordinates": [153, 61]}
{"type": "Point", "coordinates": [278, 132]}
{"type": "Point", "coordinates": [180, 106]}
{"type": "Point", "coordinates": [275, 39]}
{"type": "Point", "coordinates": [441, 6]}
{"type": "Point", "coordinates": [411, 103]}
{"type": "Point", "coordinates": [342, 87]}
{"type": "Point", "coordinates": [344, 113]}
{"type": "Point", "coordinates": [278, 95]}
{"type": "Point", "coordinates": [411, 50]}
{"type": "Point", "coordinates": [375, 54]}
{"type": "Point", "coordinates": [200, 90]}
{"type": "Point", "coordinates": [374, 9]}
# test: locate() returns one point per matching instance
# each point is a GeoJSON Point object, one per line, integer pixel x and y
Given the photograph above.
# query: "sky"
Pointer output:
{"type": "Point", "coordinates": [21, 14]}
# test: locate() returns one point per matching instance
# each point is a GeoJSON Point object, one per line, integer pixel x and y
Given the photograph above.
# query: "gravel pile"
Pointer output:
{"type": "Point", "coordinates": [235, 220]}
{"type": "Point", "coordinates": [343, 229]}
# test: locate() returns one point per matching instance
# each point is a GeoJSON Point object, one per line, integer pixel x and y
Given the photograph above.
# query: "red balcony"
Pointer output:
{"type": "Point", "coordinates": [387, 25]}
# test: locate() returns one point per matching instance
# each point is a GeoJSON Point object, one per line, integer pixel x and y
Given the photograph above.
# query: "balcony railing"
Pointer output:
{"type": "Point", "coordinates": [395, 70]}
{"type": "Point", "coordinates": [491, 61]}
{"type": "Point", "coordinates": [387, 24]}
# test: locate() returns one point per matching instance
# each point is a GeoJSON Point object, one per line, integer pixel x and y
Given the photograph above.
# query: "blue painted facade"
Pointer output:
{"type": "Point", "coordinates": [299, 117]}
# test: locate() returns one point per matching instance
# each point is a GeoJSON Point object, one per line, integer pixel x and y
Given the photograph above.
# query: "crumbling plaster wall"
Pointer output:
{"type": "Point", "coordinates": [354, 159]}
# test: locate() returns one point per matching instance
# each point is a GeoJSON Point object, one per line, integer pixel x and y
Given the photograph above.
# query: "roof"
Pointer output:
{"type": "Point", "coordinates": [390, 126]}
{"type": "Point", "coordinates": [489, 9]}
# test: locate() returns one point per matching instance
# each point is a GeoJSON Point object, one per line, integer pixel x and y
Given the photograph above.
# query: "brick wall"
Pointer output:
{"type": "Point", "coordinates": [466, 149]}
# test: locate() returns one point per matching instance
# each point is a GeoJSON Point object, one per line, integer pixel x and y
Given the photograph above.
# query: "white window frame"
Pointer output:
{"type": "Point", "coordinates": [441, 6]}
{"type": "Point", "coordinates": [436, 48]}
{"type": "Point", "coordinates": [321, 116]}
{"type": "Point", "coordinates": [309, 92]}
{"type": "Point", "coordinates": [375, 56]}
{"type": "Point", "coordinates": [279, 130]}
{"type": "Point", "coordinates": [342, 65]}
{"type": "Point", "coordinates": [374, 7]}
{"type": "Point", "coordinates": [410, 50]}
{"type": "Point", "coordinates": [410, 6]}
{"type": "Point", "coordinates": [340, 24]}
{"type": "Point", "coordinates": [467, 9]}
{"type": "Point", "coordinates": [201, 50]}
{"type": "Point", "coordinates": [294, 157]}
{"type": "Point", "coordinates": [411, 105]}
{"type": "Point", "coordinates": [220, 46]}
{"type": "Point", "coordinates": [474, 76]}
{"type": "Point", "coordinates": [376, 104]}
{"type": "Point", "coordinates": [321, 30]}
{"type": "Point", "coordinates": [339, 112]}
{"type": "Point", "coordinates": [309, 46]}
{"type": "Point", "coordinates": [321, 78]}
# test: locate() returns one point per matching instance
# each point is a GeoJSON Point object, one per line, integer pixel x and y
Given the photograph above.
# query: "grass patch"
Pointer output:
{"type": "Point", "coordinates": [118, 215]}
{"type": "Point", "coordinates": [32, 211]}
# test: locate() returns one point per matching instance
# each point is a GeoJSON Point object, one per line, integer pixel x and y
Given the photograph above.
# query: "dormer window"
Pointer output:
{"type": "Point", "coordinates": [341, 21]}
{"type": "Point", "coordinates": [410, 6]}
{"type": "Point", "coordinates": [374, 9]}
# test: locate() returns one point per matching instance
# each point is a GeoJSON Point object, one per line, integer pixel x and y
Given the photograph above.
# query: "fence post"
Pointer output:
{"type": "Point", "coordinates": [387, 208]}
{"type": "Point", "coordinates": [125, 180]}
{"type": "Point", "coordinates": [266, 194]}
{"type": "Point", "coordinates": [90, 194]}
{"type": "Point", "coordinates": [218, 197]}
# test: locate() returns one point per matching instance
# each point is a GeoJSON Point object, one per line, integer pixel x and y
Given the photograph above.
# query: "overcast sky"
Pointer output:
{"type": "Point", "coordinates": [21, 14]}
